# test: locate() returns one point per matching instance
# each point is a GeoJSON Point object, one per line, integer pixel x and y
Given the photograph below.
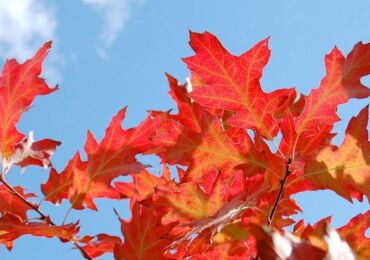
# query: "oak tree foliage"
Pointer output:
{"type": "Point", "coordinates": [231, 195]}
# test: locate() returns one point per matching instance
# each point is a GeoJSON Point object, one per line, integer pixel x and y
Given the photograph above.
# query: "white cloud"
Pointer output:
{"type": "Point", "coordinates": [115, 14]}
{"type": "Point", "coordinates": [24, 26]}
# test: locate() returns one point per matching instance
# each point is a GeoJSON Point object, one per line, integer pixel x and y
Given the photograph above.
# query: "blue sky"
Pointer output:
{"type": "Point", "coordinates": [109, 54]}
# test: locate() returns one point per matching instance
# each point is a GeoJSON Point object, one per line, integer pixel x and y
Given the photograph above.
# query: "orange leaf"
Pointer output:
{"type": "Point", "coordinates": [12, 227]}
{"type": "Point", "coordinates": [341, 82]}
{"type": "Point", "coordinates": [210, 151]}
{"type": "Point", "coordinates": [354, 233]}
{"type": "Point", "coordinates": [187, 202]}
{"type": "Point", "coordinates": [100, 244]}
{"type": "Point", "coordinates": [345, 169]}
{"type": "Point", "coordinates": [83, 181]}
{"type": "Point", "coordinates": [143, 185]}
{"type": "Point", "coordinates": [12, 204]}
{"type": "Point", "coordinates": [145, 236]}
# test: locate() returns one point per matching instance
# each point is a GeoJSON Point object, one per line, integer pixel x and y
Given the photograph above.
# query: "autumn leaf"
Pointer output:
{"type": "Point", "coordinates": [100, 244]}
{"type": "Point", "coordinates": [201, 214]}
{"type": "Point", "coordinates": [188, 202]}
{"type": "Point", "coordinates": [20, 84]}
{"type": "Point", "coordinates": [348, 241]}
{"type": "Point", "coordinates": [145, 236]}
{"type": "Point", "coordinates": [212, 150]}
{"type": "Point", "coordinates": [31, 152]}
{"type": "Point", "coordinates": [143, 184]}
{"type": "Point", "coordinates": [354, 233]}
{"type": "Point", "coordinates": [341, 82]}
{"type": "Point", "coordinates": [197, 139]}
{"type": "Point", "coordinates": [83, 181]}
{"type": "Point", "coordinates": [232, 83]}
{"type": "Point", "coordinates": [345, 169]}
{"type": "Point", "coordinates": [287, 144]}
{"type": "Point", "coordinates": [273, 245]}
{"type": "Point", "coordinates": [12, 204]}
{"type": "Point", "coordinates": [190, 113]}
{"type": "Point", "coordinates": [12, 227]}
{"type": "Point", "coordinates": [236, 250]}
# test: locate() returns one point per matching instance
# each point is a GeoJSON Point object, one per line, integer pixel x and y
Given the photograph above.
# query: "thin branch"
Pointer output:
{"type": "Point", "coordinates": [17, 194]}
{"type": "Point", "coordinates": [280, 194]}
{"type": "Point", "coordinates": [278, 198]}
{"type": "Point", "coordinates": [42, 215]}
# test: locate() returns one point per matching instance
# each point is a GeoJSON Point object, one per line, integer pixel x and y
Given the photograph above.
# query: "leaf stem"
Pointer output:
{"type": "Point", "coordinates": [278, 149]}
{"type": "Point", "coordinates": [42, 215]}
{"type": "Point", "coordinates": [280, 194]}
{"type": "Point", "coordinates": [65, 217]}
{"type": "Point", "coordinates": [278, 198]}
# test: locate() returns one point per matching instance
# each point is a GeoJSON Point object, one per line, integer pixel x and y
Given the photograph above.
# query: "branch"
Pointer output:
{"type": "Point", "coordinates": [278, 198]}
{"type": "Point", "coordinates": [280, 194]}
{"type": "Point", "coordinates": [42, 215]}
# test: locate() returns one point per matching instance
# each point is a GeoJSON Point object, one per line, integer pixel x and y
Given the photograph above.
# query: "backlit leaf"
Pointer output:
{"type": "Point", "coordinates": [20, 84]}
{"type": "Point", "coordinates": [83, 181]}
{"type": "Point", "coordinates": [345, 169]}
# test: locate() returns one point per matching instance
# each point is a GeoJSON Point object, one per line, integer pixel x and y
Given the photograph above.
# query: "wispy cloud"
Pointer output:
{"type": "Point", "coordinates": [24, 26]}
{"type": "Point", "coordinates": [115, 14]}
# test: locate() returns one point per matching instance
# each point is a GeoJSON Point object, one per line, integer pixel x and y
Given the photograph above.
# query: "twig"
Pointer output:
{"type": "Point", "coordinates": [42, 215]}
{"type": "Point", "coordinates": [280, 194]}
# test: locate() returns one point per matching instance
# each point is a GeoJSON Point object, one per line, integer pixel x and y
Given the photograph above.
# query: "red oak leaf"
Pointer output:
{"type": "Point", "coordinates": [100, 244]}
{"type": "Point", "coordinates": [188, 202]}
{"type": "Point", "coordinates": [341, 82]}
{"type": "Point", "coordinates": [232, 83]}
{"type": "Point", "coordinates": [30, 152]}
{"type": "Point", "coordinates": [354, 233]}
{"type": "Point", "coordinates": [345, 169]}
{"type": "Point", "coordinates": [347, 242]}
{"type": "Point", "coordinates": [20, 84]}
{"type": "Point", "coordinates": [211, 151]}
{"type": "Point", "coordinates": [12, 227]}
{"type": "Point", "coordinates": [230, 251]}
{"type": "Point", "coordinates": [83, 181]}
{"type": "Point", "coordinates": [145, 236]}
{"type": "Point", "coordinates": [190, 113]}
{"type": "Point", "coordinates": [143, 185]}
{"type": "Point", "coordinates": [12, 204]}
{"type": "Point", "coordinates": [273, 245]}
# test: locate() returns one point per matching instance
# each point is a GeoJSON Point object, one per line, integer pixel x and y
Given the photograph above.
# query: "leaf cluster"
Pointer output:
{"type": "Point", "coordinates": [229, 195]}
